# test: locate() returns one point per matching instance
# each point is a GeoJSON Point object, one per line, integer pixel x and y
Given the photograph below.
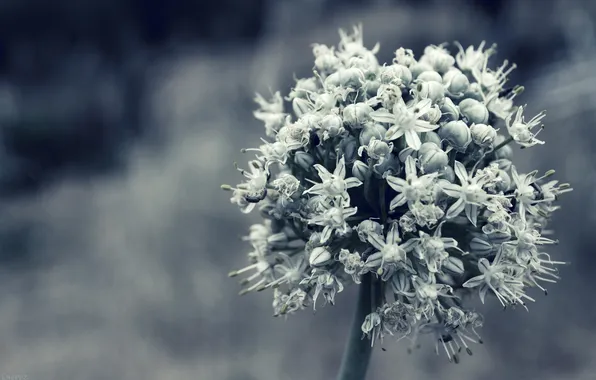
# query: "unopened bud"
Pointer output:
{"type": "Point", "coordinates": [457, 134]}
{"type": "Point", "coordinates": [458, 84]}
{"type": "Point", "coordinates": [304, 160]}
{"type": "Point", "coordinates": [419, 67]}
{"type": "Point", "coordinates": [433, 160]}
{"type": "Point", "coordinates": [431, 137]}
{"type": "Point", "coordinates": [397, 74]}
{"type": "Point", "coordinates": [360, 170]}
{"type": "Point", "coordinates": [430, 76]}
{"type": "Point", "coordinates": [431, 90]}
{"type": "Point", "coordinates": [450, 112]}
{"type": "Point", "coordinates": [349, 147]}
{"type": "Point", "coordinates": [355, 115]}
{"type": "Point", "coordinates": [318, 256]}
{"type": "Point", "coordinates": [474, 111]}
{"type": "Point", "coordinates": [447, 174]}
{"type": "Point", "coordinates": [483, 135]}
{"type": "Point", "coordinates": [454, 265]}
{"type": "Point", "coordinates": [371, 130]}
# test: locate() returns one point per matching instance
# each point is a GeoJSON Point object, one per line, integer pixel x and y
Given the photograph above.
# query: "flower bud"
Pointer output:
{"type": "Point", "coordinates": [457, 134]}
{"type": "Point", "coordinates": [325, 101]}
{"type": "Point", "coordinates": [449, 110]}
{"type": "Point", "coordinates": [458, 84]}
{"type": "Point", "coordinates": [431, 90]}
{"type": "Point", "coordinates": [389, 166]}
{"type": "Point", "coordinates": [405, 153]}
{"type": "Point", "coordinates": [418, 68]}
{"type": "Point", "coordinates": [327, 63]}
{"type": "Point", "coordinates": [431, 137]}
{"type": "Point", "coordinates": [355, 115]}
{"type": "Point", "coordinates": [372, 87]}
{"type": "Point", "coordinates": [352, 77]}
{"type": "Point", "coordinates": [483, 135]}
{"type": "Point", "coordinates": [447, 174]}
{"type": "Point", "coordinates": [505, 183]}
{"type": "Point", "coordinates": [371, 130]}
{"type": "Point", "coordinates": [302, 88]}
{"type": "Point", "coordinates": [400, 282]}
{"type": "Point", "coordinates": [376, 149]}
{"type": "Point", "coordinates": [474, 111]}
{"type": "Point", "coordinates": [430, 76]}
{"type": "Point", "coordinates": [427, 147]}
{"type": "Point", "coordinates": [454, 265]}
{"type": "Point", "coordinates": [504, 152]}
{"type": "Point", "coordinates": [452, 72]}
{"type": "Point", "coordinates": [438, 58]}
{"type": "Point", "coordinates": [481, 246]}
{"type": "Point", "coordinates": [433, 160]}
{"type": "Point", "coordinates": [371, 321]}
{"type": "Point", "coordinates": [332, 125]}
{"type": "Point", "coordinates": [398, 74]}
{"type": "Point", "coordinates": [319, 256]}
{"type": "Point", "coordinates": [474, 92]}
{"type": "Point", "coordinates": [349, 147]}
{"type": "Point", "coordinates": [433, 115]}
{"type": "Point", "coordinates": [304, 160]}
{"type": "Point", "coordinates": [360, 170]}
{"type": "Point", "coordinates": [366, 228]}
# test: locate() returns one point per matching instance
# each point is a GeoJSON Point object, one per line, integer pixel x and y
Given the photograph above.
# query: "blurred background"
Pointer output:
{"type": "Point", "coordinates": [120, 119]}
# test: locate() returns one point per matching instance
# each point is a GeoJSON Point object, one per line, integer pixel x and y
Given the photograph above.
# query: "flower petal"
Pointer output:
{"type": "Point", "coordinates": [483, 265]}
{"type": "Point", "coordinates": [399, 200]}
{"type": "Point", "coordinates": [474, 282]}
{"type": "Point", "coordinates": [353, 182]}
{"type": "Point", "coordinates": [461, 172]}
{"type": "Point", "coordinates": [340, 169]}
{"type": "Point", "coordinates": [424, 126]}
{"type": "Point", "coordinates": [452, 189]}
{"type": "Point", "coordinates": [482, 292]}
{"type": "Point", "coordinates": [394, 133]}
{"type": "Point", "coordinates": [376, 241]}
{"type": "Point", "coordinates": [383, 116]}
{"type": "Point", "coordinates": [412, 139]}
{"type": "Point", "coordinates": [393, 235]}
{"type": "Point", "coordinates": [410, 167]}
{"type": "Point", "coordinates": [472, 213]}
{"type": "Point", "coordinates": [322, 171]}
{"type": "Point", "coordinates": [455, 209]}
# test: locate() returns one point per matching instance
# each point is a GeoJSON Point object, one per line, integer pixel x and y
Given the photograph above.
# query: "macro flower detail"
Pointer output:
{"type": "Point", "coordinates": [399, 179]}
{"type": "Point", "coordinates": [406, 121]}
{"type": "Point", "coordinates": [334, 184]}
{"type": "Point", "coordinates": [411, 189]}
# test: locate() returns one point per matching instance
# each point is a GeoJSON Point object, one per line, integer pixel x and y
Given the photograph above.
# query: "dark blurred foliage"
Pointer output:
{"type": "Point", "coordinates": [75, 70]}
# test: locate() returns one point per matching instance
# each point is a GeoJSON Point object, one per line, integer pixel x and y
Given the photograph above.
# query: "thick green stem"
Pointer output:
{"type": "Point", "coordinates": [358, 351]}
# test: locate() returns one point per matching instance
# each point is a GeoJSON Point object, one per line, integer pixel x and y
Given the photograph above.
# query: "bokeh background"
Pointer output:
{"type": "Point", "coordinates": [119, 119]}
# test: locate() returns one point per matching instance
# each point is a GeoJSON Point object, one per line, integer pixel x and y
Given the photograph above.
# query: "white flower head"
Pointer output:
{"type": "Point", "coordinates": [394, 177]}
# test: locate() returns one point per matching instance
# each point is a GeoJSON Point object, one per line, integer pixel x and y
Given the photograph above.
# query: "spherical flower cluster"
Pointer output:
{"type": "Point", "coordinates": [398, 172]}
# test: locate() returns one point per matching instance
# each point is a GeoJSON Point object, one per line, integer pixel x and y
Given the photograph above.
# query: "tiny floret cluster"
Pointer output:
{"type": "Point", "coordinates": [402, 174]}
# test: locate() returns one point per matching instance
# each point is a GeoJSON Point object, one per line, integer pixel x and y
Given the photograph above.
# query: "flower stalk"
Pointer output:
{"type": "Point", "coordinates": [356, 357]}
